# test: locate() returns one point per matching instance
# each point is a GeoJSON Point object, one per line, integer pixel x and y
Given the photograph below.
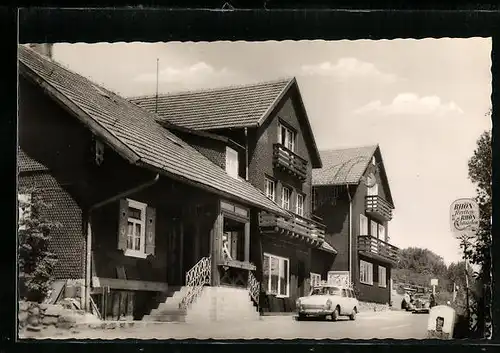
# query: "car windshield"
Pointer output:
{"type": "Point", "coordinates": [326, 291]}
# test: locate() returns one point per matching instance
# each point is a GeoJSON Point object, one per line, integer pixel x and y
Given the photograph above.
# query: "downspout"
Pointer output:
{"type": "Point", "coordinates": [119, 196]}
{"type": "Point", "coordinates": [246, 153]}
{"type": "Point", "coordinates": [350, 234]}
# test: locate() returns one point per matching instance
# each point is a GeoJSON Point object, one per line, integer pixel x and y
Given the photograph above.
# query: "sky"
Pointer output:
{"type": "Point", "coordinates": [423, 101]}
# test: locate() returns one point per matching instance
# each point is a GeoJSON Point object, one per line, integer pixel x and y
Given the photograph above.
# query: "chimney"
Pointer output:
{"type": "Point", "coordinates": [43, 48]}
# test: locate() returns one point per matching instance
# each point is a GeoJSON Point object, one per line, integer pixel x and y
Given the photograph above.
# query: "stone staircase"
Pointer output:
{"type": "Point", "coordinates": [213, 304]}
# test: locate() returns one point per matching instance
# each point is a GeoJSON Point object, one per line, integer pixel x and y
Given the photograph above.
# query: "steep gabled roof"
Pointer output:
{"type": "Point", "coordinates": [134, 133]}
{"type": "Point", "coordinates": [228, 108]}
{"type": "Point", "coordinates": [347, 166]}
{"type": "Point", "coordinates": [27, 164]}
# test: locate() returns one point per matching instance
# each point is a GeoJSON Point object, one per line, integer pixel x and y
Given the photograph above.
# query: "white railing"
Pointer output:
{"type": "Point", "coordinates": [196, 278]}
{"type": "Point", "coordinates": [253, 287]}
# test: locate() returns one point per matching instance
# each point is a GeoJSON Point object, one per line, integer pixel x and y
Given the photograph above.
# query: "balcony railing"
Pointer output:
{"type": "Point", "coordinates": [290, 162]}
{"type": "Point", "coordinates": [376, 248]}
{"type": "Point", "coordinates": [299, 227]}
{"type": "Point", "coordinates": [379, 208]}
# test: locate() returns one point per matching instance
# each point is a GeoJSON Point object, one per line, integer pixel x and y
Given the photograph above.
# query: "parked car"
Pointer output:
{"type": "Point", "coordinates": [328, 301]}
{"type": "Point", "coordinates": [421, 303]}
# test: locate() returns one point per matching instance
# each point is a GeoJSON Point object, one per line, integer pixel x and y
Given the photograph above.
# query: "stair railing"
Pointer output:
{"type": "Point", "coordinates": [196, 278]}
{"type": "Point", "coordinates": [253, 287]}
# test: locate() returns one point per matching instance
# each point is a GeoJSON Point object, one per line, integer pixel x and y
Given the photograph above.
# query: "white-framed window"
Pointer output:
{"type": "Point", "coordinates": [381, 232]}
{"type": "Point", "coordinates": [382, 276]}
{"type": "Point", "coordinates": [24, 208]}
{"type": "Point", "coordinates": [285, 197]}
{"type": "Point", "coordinates": [365, 272]}
{"type": "Point", "coordinates": [374, 229]}
{"type": "Point", "coordinates": [136, 229]}
{"type": "Point", "coordinates": [286, 137]}
{"type": "Point", "coordinates": [276, 275]}
{"type": "Point", "coordinates": [299, 206]}
{"type": "Point", "coordinates": [363, 225]}
{"type": "Point", "coordinates": [315, 279]}
{"type": "Point", "coordinates": [373, 191]}
{"type": "Point", "coordinates": [271, 189]}
{"type": "Point", "coordinates": [232, 165]}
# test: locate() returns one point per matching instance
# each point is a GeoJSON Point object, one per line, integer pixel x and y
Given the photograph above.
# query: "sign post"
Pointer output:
{"type": "Point", "coordinates": [464, 222]}
{"type": "Point", "coordinates": [434, 283]}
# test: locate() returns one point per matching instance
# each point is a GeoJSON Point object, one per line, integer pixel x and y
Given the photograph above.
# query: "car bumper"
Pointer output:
{"type": "Point", "coordinates": [421, 310]}
{"type": "Point", "coordinates": [313, 312]}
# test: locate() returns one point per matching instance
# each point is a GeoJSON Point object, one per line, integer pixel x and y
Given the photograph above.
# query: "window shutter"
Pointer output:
{"type": "Point", "coordinates": [123, 225]}
{"type": "Point", "coordinates": [150, 230]}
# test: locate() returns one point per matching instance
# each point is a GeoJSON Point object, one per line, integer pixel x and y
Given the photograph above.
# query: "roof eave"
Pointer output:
{"type": "Point", "coordinates": [209, 188]}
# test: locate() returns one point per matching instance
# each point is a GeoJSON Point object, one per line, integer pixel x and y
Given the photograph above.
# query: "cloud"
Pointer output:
{"type": "Point", "coordinates": [200, 71]}
{"type": "Point", "coordinates": [411, 104]}
{"type": "Point", "coordinates": [347, 68]}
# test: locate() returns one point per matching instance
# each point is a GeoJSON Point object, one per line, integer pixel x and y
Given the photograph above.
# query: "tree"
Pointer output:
{"type": "Point", "coordinates": [36, 262]}
{"type": "Point", "coordinates": [480, 252]}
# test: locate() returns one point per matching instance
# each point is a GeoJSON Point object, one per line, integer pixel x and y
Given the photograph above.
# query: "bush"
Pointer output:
{"type": "Point", "coordinates": [36, 262]}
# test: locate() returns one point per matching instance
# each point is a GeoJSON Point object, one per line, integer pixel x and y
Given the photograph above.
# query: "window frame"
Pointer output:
{"type": "Point", "coordinates": [141, 253]}
{"type": "Point", "coordinates": [232, 153]}
{"type": "Point", "coordinates": [301, 213]}
{"type": "Point", "coordinates": [289, 133]}
{"type": "Point", "coordinates": [283, 187]}
{"type": "Point", "coordinates": [268, 181]}
{"type": "Point", "coordinates": [268, 286]}
{"type": "Point", "coordinates": [369, 274]}
{"type": "Point", "coordinates": [384, 283]}
{"type": "Point", "coordinates": [314, 278]}
{"type": "Point", "coordinates": [381, 232]}
{"type": "Point", "coordinates": [363, 217]}
{"type": "Point", "coordinates": [373, 190]}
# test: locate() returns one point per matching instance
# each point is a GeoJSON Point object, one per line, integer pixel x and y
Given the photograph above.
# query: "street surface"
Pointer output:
{"type": "Point", "coordinates": [390, 324]}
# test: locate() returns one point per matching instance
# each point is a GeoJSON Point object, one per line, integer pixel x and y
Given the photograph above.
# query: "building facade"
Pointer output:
{"type": "Point", "coordinates": [269, 143]}
{"type": "Point", "coordinates": [144, 214]}
{"type": "Point", "coordinates": [352, 194]}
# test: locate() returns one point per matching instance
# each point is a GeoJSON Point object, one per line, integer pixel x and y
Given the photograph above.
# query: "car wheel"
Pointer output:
{"type": "Point", "coordinates": [353, 314]}
{"type": "Point", "coordinates": [335, 314]}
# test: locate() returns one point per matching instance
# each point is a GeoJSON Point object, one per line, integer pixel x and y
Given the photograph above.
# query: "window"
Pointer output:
{"type": "Point", "coordinates": [382, 277]}
{"type": "Point", "coordinates": [363, 225]}
{"type": "Point", "coordinates": [365, 272]}
{"type": "Point", "coordinates": [136, 228]}
{"type": "Point", "coordinates": [315, 279]}
{"type": "Point", "coordinates": [299, 207]}
{"type": "Point", "coordinates": [373, 191]}
{"type": "Point", "coordinates": [314, 198]}
{"type": "Point", "coordinates": [24, 208]}
{"type": "Point", "coordinates": [285, 197]}
{"type": "Point", "coordinates": [381, 232]}
{"type": "Point", "coordinates": [286, 137]}
{"type": "Point", "coordinates": [276, 277]}
{"type": "Point", "coordinates": [271, 189]}
{"type": "Point", "coordinates": [374, 229]}
{"type": "Point", "coordinates": [374, 162]}
{"type": "Point", "coordinates": [232, 166]}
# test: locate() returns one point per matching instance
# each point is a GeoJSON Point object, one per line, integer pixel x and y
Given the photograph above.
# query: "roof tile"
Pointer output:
{"type": "Point", "coordinates": [343, 166]}
{"type": "Point", "coordinates": [27, 164]}
{"type": "Point", "coordinates": [228, 107]}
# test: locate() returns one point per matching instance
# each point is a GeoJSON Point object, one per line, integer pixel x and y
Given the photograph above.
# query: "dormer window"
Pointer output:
{"type": "Point", "coordinates": [232, 163]}
{"type": "Point", "coordinates": [286, 137]}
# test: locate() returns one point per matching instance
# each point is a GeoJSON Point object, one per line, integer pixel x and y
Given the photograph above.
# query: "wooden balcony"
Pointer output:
{"type": "Point", "coordinates": [288, 161]}
{"type": "Point", "coordinates": [378, 208]}
{"type": "Point", "coordinates": [297, 227]}
{"type": "Point", "coordinates": [377, 249]}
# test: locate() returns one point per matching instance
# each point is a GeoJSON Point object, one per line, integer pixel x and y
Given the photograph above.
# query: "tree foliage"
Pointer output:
{"type": "Point", "coordinates": [36, 262]}
{"type": "Point", "coordinates": [479, 252]}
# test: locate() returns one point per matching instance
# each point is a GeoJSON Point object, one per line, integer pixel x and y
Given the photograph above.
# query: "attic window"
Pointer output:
{"type": "Point", "coordinates": [374, 162]}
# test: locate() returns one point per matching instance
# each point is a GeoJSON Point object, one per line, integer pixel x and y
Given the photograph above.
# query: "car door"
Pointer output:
{"type": "Point", "coordinates": [345, 303]}
{"type": "Point", "coordinates": [354, 300]}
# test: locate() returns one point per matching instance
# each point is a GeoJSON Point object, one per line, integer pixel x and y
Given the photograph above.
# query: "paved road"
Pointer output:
{"type": "Point", "coordinates": [391, 324]}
